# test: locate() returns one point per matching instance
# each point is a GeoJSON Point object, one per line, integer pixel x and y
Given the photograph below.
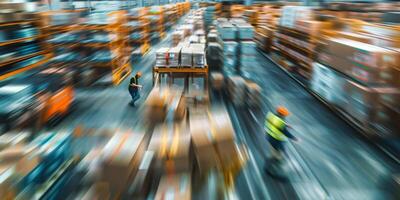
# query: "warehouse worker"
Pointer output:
{"type": "Point", "coordinates": [134, 88]}
{"type": "Point", "coordinates": [276, 129]}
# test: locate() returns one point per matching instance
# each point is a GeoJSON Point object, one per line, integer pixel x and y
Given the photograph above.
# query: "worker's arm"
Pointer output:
{"type": "Point", "coordinates": [135, 85]}
{"type": "Point", "coordinates": [289, 135]}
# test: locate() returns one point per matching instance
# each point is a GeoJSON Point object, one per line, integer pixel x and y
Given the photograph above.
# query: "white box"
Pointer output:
{"type": "Point", "coordinates": [186, 57]}
{"type": "Point", "coordinates": [162, 57]}
{"type": "Point", "coordinates": [174, 56]}
{"type": "Point", "coordinates": [198, 56]}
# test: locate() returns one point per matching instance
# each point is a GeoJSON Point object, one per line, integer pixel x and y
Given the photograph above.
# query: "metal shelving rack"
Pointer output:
{"type": "Point", "coordinates": [7, 65]}
{"type": "Point", "coordinates": [119, 65]}
{"type": "Point", "coordinates": [119, 47]}
{"type": "Point", "coordinates": [302, 47]}
{"type": "Point", "coordinates": [156, 21]}
{"type": "Point", "coordinates": [141, 24]}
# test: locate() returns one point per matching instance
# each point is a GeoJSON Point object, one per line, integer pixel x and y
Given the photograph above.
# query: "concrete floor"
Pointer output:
{"type": "Point", "coordinates": [330, 162]}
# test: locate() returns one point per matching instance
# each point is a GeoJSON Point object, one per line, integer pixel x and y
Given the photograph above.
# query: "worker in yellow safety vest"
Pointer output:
{"type": "Point", "coordinates": [276, 129]}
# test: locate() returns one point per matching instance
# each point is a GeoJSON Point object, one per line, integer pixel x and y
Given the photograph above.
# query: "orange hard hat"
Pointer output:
{"type": "Point", "coordinates": [282, 111]}
{"type": "Point", "coordinates": [139, 74]}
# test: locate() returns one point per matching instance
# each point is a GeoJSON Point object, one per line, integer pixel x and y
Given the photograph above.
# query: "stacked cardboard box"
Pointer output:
{"type": "Point", "coordinates": [215, 56]}
{"type": "Point", "coordinates": [121, 158]}
{"type": "Point", "coordinates": [177, 36]}
{"type": "Point", "coordinates": [213, 139]}
{"type": "Point", "coordinates": [174, 55]}
{"type": "Point", "coordinates": [217, 80]}
{"type": "Point", "coordinates": [227, 31]}
{"type": "Point", "coordinates": [209, 16]}
{"type": "Point", "coordinates": [369, 64]}
{"type": "Point", "coordinates": [237, 90]}
{"type": "Point", "coordinates": [177, 187]}
{"type": "Point", "coordinates": [329, 84]}
{"type": "Point", "coordinates": [156, 104]}
{"type": "Point", "coordinates": [248, 52]}
{"type": "Point", "coordinates": [245, 31]}
{"type": "Point", "coordinates": [230, 54]}
{"type": "Point", "coordinates": [253, 94]}
{"type": "Point", "coordinates": [198, 53]}
{"type": "Point", "coordinates": [262, 38]}
{"type": "Point", "coordinates": [186, 56]}
{"type": "Point", "coordinates": [140, 187]}
{"type": "Point", "coordinates": [250, 16]}
{"type": "Point", "coordinates": [372, 107]}
{"type": "Point", "coordinates": [162, 57]}
{"type": "Point", "coordinates": [172, 145]}
{"type": "Point", "coordinates": [292, 14]}
{"type": "Point", "coordinates": [371, 80]}
{"type": "Point", "coordinates": [163, 102]}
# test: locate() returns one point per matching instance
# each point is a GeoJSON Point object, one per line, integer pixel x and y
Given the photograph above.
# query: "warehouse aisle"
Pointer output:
{"type": "Point", "coordinates": [330, 161]}
{"type": "Point", "coordinates": [108, 107]}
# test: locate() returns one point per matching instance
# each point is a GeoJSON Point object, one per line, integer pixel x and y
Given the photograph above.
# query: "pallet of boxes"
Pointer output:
{"type": "Point", "coordinates": [118, 165]}
{"type": "Point", "coordinates": [214, 145]}
{"type": "Point", "coordinates": [359, 73]}
{"type": "Point", "coordinates": [170, 142]}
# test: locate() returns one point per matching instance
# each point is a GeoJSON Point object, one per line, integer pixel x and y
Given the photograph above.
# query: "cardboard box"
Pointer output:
{"type": "Point", "coordinates": [206, 154]}
{"type": "Point", "coordinates": [177, 104]}
{"type": "Point", "coordinates": [236, 89]}
{"type": "Point", "coordinates": [156, 106]}
{"type": "Point", "coordinates": [224, 136]}
{"type": "Point", "coordinates": [248, 48]}
{"type": "Point", "coordinates": [162, 57]}
{"type": "Point", "coordinates": [122, 156]}
{"type": "Point", "coordinates": [381, 30]}
{"type": "Point", "coordinates": [245, 31]}
{"type": "Point", "coordinates": [291, 14]}
{"type": "Point", "coordinates": [377, 40]}
{"type": "Point", "coordinates": [364, 101]}
{"type": "Point", "coordinates": [199, 59]}
{"type": "Point", "coordinates": [174, 55]}
{"type": "Point", "coordinates": [329, 84]}
{"type": "Point", "coordinates": [227, 31]}
{"type": "Point", "coordinates": [253, 93]}
{"type": "Point", "coordinates": [312, 27]}
{"type": "Point", "coordinates": [355, 36]}
{"type": "Point", "coordinates": [177, 187]}
{"type": "Point", "coordinates": [140, 186]}
{"type": "Point", "coordinates": [366, 74]}
{"type": "Point", "coordinates": [363, 54]}
{"type": "Point", "coordinates": [186, 57]}
{"type": "Point", "coordinates": [194, 39]}
{"type": "Point", "coordinates": [217, 80]}
{"type": "Point", "coordinates": [172, 145]}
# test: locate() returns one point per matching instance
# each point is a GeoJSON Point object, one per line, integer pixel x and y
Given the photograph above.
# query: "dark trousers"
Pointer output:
{"type": "Point", "coordinates": [134, 92]}
{"type": "Point", "coordinates": [278, 147]}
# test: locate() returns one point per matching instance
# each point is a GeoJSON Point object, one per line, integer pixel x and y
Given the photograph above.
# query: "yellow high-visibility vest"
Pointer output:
{"type": "Point", "coordinates": [274, 126]}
